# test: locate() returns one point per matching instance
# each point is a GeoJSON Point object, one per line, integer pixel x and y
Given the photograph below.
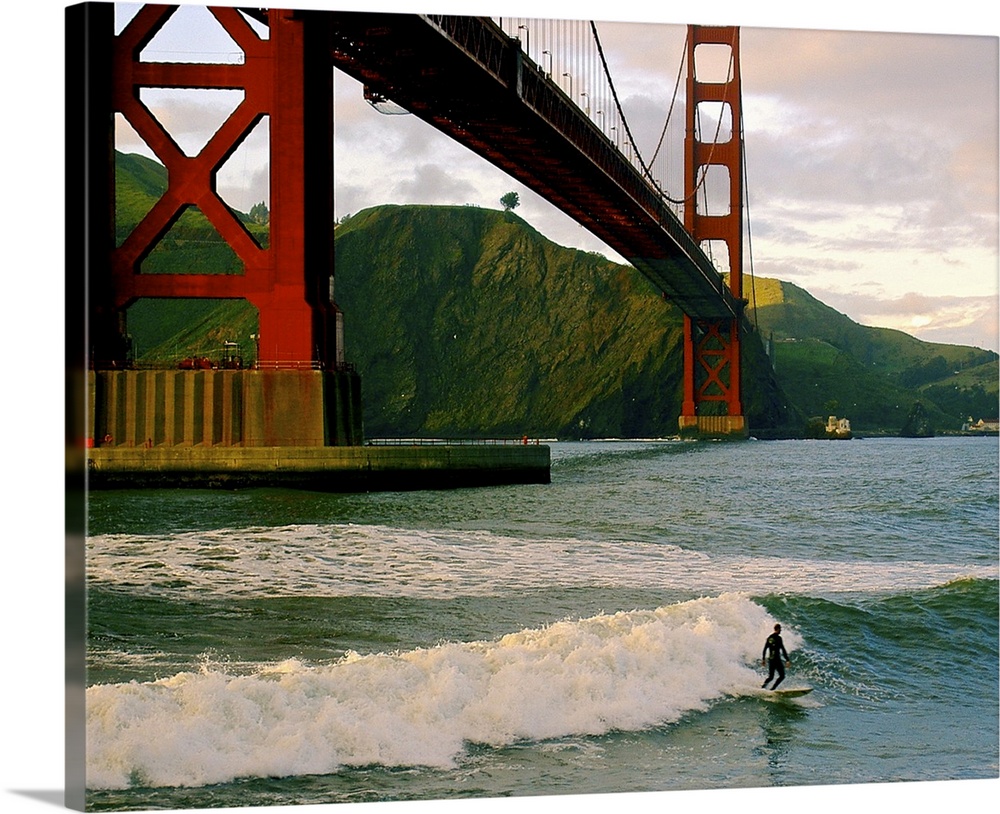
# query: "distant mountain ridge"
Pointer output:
{"type": "Point", "coordinates": [827, 363]}
{"type": "Point", "coordinates": [464, 321]}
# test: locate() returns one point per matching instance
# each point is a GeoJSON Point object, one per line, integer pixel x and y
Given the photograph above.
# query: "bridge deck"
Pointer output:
{"type": "Point", "coordinates": [467, 78]}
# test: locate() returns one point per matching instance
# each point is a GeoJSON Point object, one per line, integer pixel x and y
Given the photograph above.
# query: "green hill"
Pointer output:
{"type": "Point", "coordinates": [828, 363]}
{"type": "Point", "coordinates": [465, 321]}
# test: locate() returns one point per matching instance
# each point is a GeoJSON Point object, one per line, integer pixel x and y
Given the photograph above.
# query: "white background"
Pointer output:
{"type": "Point", "coordinates": [32, 416]}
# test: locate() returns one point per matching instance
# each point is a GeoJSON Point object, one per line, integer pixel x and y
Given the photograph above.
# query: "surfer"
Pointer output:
{"type": "Point", "coordinates": [774, 662]}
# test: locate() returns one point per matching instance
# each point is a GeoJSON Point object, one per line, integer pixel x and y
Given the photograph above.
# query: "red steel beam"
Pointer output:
{"type": "Point", "coordinates": [284, 78]}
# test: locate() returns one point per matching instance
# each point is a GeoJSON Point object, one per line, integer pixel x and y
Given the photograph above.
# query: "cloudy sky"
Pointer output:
{"type": "Point", "coordinates": [871, 164]}
{"type": "Point", "coordinates": [871, 154]}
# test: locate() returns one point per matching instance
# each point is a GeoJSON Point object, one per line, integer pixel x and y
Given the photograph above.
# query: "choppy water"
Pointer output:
{"type": "Point", "coordinates": [597, 634]}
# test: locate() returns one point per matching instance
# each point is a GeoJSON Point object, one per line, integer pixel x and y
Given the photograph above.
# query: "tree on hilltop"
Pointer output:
{"type": "Point", "coordinates": [259, 213]}
{"type": "Point", "coordinates": [510, 201]}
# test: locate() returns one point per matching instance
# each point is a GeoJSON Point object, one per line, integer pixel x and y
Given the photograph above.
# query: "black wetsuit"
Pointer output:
{"type": "Point", "coordinates": [775, 664]}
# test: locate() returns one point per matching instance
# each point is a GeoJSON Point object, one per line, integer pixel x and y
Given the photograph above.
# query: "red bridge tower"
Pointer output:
{"type": "Point", "coordinates": [712, 402]}
{"type": "Point", "coordinates": [300, 391]}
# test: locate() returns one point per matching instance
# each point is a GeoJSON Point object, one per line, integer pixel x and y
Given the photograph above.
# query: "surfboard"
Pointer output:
{"type": "Point", "coordinates": [793, 692]}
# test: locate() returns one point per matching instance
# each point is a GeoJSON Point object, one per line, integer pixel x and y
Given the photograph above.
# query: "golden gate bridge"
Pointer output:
{"type": "Point", "coordinates": [536, 98]}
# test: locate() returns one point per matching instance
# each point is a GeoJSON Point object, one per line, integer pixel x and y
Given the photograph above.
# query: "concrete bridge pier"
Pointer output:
{"type": "Point", "coordinates": [211, 408]}
{"type": "Point", "coordinates": [246, 428]}
{"type": "Point", "coordinates": [713, 426]}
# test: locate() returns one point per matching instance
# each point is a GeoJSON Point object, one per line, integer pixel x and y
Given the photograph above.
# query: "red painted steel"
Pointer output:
{"type": "Point", "coordinates": [712, 368]}
{"type": "Point", "coordinates": [287, 281]}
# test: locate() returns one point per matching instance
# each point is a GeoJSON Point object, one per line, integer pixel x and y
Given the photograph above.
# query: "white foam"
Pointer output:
{"type": "Point", "coordinates": [422, 707]}
{"type": "Point", "coordinates": [349, 560]}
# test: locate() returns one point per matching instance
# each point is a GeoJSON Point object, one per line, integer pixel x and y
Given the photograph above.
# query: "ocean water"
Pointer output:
{"type": "Point", "coordinates": [598, 634]}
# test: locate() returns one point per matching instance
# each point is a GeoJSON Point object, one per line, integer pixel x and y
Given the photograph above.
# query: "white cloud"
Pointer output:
{"type": "Point", "coordinates": [950, 320]}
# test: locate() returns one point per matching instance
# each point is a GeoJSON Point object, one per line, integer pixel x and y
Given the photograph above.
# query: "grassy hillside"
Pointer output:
{"type": "Point", "coordinates": [828, 363]}
{"type": "Point", "coordinates": [170, 330]}
{"type": "Point", "coordinates": [466, 321]}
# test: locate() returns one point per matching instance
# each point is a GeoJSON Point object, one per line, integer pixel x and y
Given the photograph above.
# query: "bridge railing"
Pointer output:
{"type": "Point", "coordinates": [480, 38]}
{"type": "Point", "coordinates": [208, 363]}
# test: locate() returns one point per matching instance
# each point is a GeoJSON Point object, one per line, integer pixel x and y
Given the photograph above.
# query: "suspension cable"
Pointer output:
{"type": "Point", "coordinates": [673, 101]}
{"type": "Point", "coordinates": [746, 198]}
{"type": "Point", "coordinates": [614, 93]}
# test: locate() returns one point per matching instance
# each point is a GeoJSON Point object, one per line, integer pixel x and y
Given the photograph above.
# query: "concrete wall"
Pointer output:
{"type": "Point", "coordinates": [236, 428]}
{"type": "Point", "coordinates": [354, 468]}
{"type": "Point", "coordinates": [247, 408]}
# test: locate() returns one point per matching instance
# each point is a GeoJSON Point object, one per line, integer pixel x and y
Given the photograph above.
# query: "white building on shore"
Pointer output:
{"type": "Point", "coordinates": [988, 425]}
{"type": "Point", "coordinates": [838, 427]}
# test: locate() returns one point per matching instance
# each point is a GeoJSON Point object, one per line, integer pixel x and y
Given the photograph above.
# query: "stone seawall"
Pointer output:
{"type": "Point", "coordinates": [341, 469]}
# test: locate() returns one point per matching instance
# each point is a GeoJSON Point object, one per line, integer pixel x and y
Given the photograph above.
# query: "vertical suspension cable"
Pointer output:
{"type": "Point", "coordinates": [746, 198]}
